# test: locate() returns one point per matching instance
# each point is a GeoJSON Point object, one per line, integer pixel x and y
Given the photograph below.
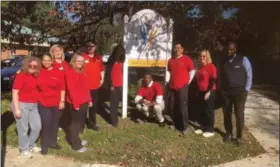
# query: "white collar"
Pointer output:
{"type": "Point", "coordinates": [231, 59]}
{"type": "Point", "coordinates": [150, 84]}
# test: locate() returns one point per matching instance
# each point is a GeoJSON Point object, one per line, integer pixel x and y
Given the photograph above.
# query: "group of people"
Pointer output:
{"type": "Point", "coordinates": [49, 87]}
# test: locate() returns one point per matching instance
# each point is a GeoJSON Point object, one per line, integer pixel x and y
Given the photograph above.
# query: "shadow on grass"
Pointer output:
{"type": "Point", "coordinates": [7, 119]}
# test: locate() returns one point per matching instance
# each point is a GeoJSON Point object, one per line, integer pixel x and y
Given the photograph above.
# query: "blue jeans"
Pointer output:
{"type": "Point", "coordinates": [30, 116]}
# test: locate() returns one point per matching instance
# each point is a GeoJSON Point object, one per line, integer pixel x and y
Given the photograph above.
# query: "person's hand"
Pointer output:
{"type": "Point", "coordinates": [90, 104]}
{"type": "Point", "coordinates": [146, 102]}
{"type": "Point", "coordinates": [77, 109]}
{"type": "Point", "coordinates": [207, 95]}
{"type": "Point", "coordinates": [18, 114]}
{"type": "Point", "coordinates": [101, 82]}
{"type": "Point", "coordinates": [112, 88]}
{"type": "Point", "coordinates": [61, 105]}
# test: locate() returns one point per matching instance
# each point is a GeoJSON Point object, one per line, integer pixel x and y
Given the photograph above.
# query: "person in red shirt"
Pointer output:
{"type": "Point", "coordinates": [180, 74]}
{"type": "Point", "coordinates": [94, 69]}
{"type": "Point", "coordinates": [25, 97]}
{"type": "Point", "coordinates": [206, 82]}
{"type": "Point", "coordinates": [57, 53]}
{"type": "Point", "coordinates": [114, 79]}
{"type": "Point", "coordinates": [78, 100]}
{"type": "Point", "coordinates": [150, 98]}
{"type": "Point", "coordinates": [51, 87]}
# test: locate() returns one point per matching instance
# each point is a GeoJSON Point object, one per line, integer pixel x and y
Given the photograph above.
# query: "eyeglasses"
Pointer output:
{"type": "Point", "coordinates": [30, 66]}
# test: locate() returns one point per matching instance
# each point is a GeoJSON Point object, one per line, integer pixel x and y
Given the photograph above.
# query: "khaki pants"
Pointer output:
{"type": "Point", "coordinates": [156, 109]}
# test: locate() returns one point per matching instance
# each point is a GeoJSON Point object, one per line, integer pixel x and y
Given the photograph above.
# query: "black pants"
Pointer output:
{"type": "Point", "coordinates": [234, 97]}
{"type": "Point", "coordinates": [115, 98]}
{"type": "Point", "coordinates": [93, 109]}
{"type": "Point", "coordinates": [77, 122]}
{"type": "Point", "coordinates": [206, 111]}
{"type": "Point", "coordinates": [178, 107]}
{"type": "Point", "coordinates": [50, 117]}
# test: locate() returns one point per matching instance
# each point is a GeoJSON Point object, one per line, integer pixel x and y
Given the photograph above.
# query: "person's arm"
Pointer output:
{"type": "Point", "coordinates": [248, 69]}
{"type": "Point", "coordinates": [167, 76]}
{"type": "Point", "coordinates": [102, 73]}
{"type": "Point", "coordinates": [192, 73]}
{"type": "Point", "coordinates": [71, 86]}
{"type": "Point", "coordinates": [17, 111]}
{"type": "Point", "coordinates": [212, 78]}
{"type": "Point", "coordinates": [138, 99]}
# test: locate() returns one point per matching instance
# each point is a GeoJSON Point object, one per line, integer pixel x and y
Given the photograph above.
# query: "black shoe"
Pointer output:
{"type": "Point", "coordinates": [95, 128]}
{"type": "Point", "coordinates": [44, 151]}
{"type": "Point", "coordinates": [184, 132]}
{"type": "Point", "coordinates": [161, 124]}
{"type": "Point", "coordinates": [57, 147]}
{"type": "Point", "coordinates": [238, 142]}
{"type": "Point", "coordinates": [228, 138]}
{"type": "Point", "coordinates": [115, 125]}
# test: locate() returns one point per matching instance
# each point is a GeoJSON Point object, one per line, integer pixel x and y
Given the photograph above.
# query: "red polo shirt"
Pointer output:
{"type": "Point", "coordinates": [64, 66]}
{"type": "Point", "coordinates": [93, 68]}
{"type": "Point", "coordinates": [50, 84]}
{"type": "Point", "coordinates": [203, 76]}
{"type": "Point", "coordinates": [150, 93]}
{"type": "Point", "coordinates": [117, 74]}
{"type": "Point", "coordinates": [27, 86]}
{"type": "Point", "coordinates": [78, 91]}
{"type": "Point", "coordinates": [179, 69]}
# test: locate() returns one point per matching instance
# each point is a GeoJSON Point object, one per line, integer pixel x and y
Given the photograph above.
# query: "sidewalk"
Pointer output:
{"type": "Point", "coordinates": [262, 119]}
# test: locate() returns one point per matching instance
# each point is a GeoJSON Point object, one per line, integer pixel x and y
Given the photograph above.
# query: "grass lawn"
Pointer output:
{"type": "Point", "coordinates": [146, 144]}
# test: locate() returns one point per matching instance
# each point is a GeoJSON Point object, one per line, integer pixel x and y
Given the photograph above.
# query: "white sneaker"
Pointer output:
{"type": "Point", "coordinates": [82, 150]}
{"type": "Point", "coordinates": [26, 154]}
{"type": "Point", "coordinates": [35, 149]}
{"type": "Point", "coordinates": [84, 142]}
{"type": "Point", "coordinates": [198, 131]}
{"type": "Point", "coordinates": [208, 134]}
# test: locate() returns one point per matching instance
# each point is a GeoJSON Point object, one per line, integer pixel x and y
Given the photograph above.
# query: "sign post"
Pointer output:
{"type": "Point", "coordinates": [148, 43]}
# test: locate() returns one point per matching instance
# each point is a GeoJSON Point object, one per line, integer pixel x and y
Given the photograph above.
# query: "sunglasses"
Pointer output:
{"type": "Point", "coordinates": [30, 66]}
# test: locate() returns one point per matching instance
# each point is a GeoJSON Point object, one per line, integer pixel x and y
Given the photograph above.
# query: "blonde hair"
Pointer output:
{"type": "Point", "coordinates": [208, 56]}
{"type": "Point", "coordinates": [27, 61]}
{"type": "Point", "coordinates": [57, 46]}
{"type": "Point", "coordinates": [73, 61]}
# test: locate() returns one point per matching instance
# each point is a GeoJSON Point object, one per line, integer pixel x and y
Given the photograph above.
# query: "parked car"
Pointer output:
{"type": "Point", "coordinates": [8, 74]}
{"type": "Point", "coordinates": [11, 61]}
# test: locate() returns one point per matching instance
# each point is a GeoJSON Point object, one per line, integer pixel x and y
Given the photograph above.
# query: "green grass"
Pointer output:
{"type": "Point", "coordinates": [147, 144]}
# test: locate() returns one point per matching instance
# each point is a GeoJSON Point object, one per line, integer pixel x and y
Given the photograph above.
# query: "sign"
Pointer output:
{"type": "Point", "coordinates": [147, 39]}
{"type": "Point", "coordinates": [147, 42]}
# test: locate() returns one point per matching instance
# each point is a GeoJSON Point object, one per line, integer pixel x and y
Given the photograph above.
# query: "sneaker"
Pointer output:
{"type": "Point", "coordinates": [44, 151]}
{"type": "Point", "coordinates": [82, 150]}
{"type": "Point", "coordinates": [84, 142]}
{"type": "Point", "coordinates": [26, 154]}
{"type": "Point", "coordinates": [228, 138]}
{"type": "Point", "coordinates": [198, 131]}
{"type": "Point", "coordinates": [95, 128]}
{"type": "Point", "coordinates": [238, 142]}
{"type": "Point", "coordinates": [35, 149]}
{"type": "Point", "coordinates": [184, 132]}
{"type": "Point", "coordinates": [208, 134]}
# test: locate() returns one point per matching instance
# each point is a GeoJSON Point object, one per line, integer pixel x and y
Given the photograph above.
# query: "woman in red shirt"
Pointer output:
{"type": "Point", "coordinates": [58, 56]}
{"type": "Point", "coordinates": [206, 82]}
{"type": "Point", "coordinates": [114, 77]}
{"type": "Point", "coordinates": [78, 100]}
{"type": "Point", "coordinates": [25, 106]}
{"type": "Point", "coordinates": [51, 87]}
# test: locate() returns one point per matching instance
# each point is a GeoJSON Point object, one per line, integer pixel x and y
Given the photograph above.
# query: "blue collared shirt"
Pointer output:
{"type": "Point", "coordinates": [248, 69]}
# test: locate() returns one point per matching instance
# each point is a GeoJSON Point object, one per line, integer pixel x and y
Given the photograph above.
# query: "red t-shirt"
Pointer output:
{"type": "Point", "coordinates": [64, 66]}
{"type": "Point", "coordinates": [27, 86]}
{"type": "Point", "coordinates": [179, 69]}
{"type": "Point", "coordinates": [93, 68]}
{"type": "Point", "coordinates": [50, 84]}
{"type": "Point", "coordinates": [78, 91]}
{"type": "Point", "coordinates": [150, 93]}
{"type": "Point", "coordinates": [117, 74]}
{"type": "Point", "coordinates": [203, 76]}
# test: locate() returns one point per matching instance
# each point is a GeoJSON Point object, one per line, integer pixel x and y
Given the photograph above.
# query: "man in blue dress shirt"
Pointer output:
{"type": "Point", "coordinates": [235, 82]}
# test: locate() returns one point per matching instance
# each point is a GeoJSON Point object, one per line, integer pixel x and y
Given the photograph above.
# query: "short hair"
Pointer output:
{"type": "Point", "coordinates": [91, 42]}
{"type": "Point", "coordinates": [232, 43]}
{"type": "Point", "coordinates": [208, 56]}
{"type": "Point", "coordinates": [73, 60]}
{"type": "Point", "coordinates": [179, 43]}
{"type": "Point", "coordinates": [57, 46]}
{"type": "Point", "coordinates": [27, 61]}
